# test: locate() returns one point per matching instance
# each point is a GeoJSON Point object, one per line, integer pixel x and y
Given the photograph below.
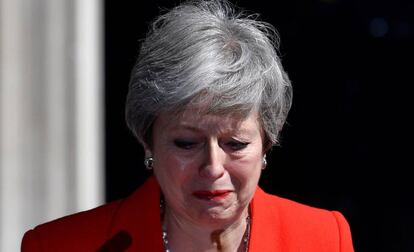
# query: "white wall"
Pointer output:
{"type": "Point", "coordinates": [51, 106]}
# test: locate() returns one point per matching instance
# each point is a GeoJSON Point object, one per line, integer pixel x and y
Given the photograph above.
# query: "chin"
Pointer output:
{"type": "Point", "coordinates": [217, 216]}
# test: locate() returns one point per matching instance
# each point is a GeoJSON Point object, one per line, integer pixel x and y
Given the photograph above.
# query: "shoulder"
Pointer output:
{"type": "Point", "coordinates": [302, 226]}
{"type": "Point", "coordinates": [88, 228]}
{"type": "Point", "coordinates": [289, 210]}
{"type": "Point", "coordinates": [112, 226]}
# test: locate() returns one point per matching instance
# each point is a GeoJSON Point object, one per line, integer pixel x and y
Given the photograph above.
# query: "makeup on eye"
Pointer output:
{"type": "Point", "coordinates": [185, 144]}
{"type": "Point", "coordinates": [236, 145]}
{"type": "Point", "coordinates": [232, 144]}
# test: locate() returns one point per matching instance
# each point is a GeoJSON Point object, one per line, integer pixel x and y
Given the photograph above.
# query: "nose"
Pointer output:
{"type": "Point", "coordinates": [213, 166]}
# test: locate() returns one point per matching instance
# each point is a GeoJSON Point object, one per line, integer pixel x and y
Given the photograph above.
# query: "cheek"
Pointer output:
{"type": "Point", "coordinates": [249, 162]}
{"type": "Point", "coordinates": [175, 162]}
{"type": "Point", "coordinates": [173, 169]}
{"type": "Point", "coordinates": [176, 178]}
{"type": "Point", "coordinates": [246, 171]}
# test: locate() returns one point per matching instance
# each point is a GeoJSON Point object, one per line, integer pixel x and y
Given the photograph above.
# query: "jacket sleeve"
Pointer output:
{"type": "Point", "coordinates": [345, 238]}
{"type": "Point", "coordinates": [30, 242]}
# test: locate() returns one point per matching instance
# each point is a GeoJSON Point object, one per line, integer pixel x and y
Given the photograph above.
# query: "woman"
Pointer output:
{"type": "Point", "coordinates": [208, 98]}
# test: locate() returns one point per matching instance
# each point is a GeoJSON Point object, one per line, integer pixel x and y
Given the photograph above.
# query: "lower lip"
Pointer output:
{"type": "Point", "coordinates": [212, 196]}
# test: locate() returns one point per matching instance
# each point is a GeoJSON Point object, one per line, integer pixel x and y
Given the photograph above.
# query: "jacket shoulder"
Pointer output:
{"type": "Point", "coordinates": [302, 226]}
{"type": "Point", "coordinates": [289, 209]}
{"type": "Point", "coordinates": [83, 231]}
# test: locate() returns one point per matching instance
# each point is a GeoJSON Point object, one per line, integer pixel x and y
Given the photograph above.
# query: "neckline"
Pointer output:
{"type": "Point", "coordinates": [245, 238]}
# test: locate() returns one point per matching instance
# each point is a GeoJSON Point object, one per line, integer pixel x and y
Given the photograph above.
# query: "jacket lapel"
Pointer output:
{"type": "Point", "coordinates": [266, 225]}
{"type": "Point", "coordinates": [139, 218]}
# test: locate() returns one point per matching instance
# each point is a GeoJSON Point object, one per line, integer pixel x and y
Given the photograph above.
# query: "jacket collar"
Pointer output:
{"type": "Point", "coordinates": [139, 216]}
{"type": "Point", "coordinates": [265, 226]}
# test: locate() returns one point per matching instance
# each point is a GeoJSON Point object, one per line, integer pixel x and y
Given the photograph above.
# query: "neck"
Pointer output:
{"type": "Point", "coordinates": [185, 235]}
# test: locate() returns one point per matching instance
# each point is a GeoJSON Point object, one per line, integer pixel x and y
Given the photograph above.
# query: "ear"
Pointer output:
{"type": "Point", "coordinates": [267, 147]}
{"type": "Point", "coordinates": [147, 149]}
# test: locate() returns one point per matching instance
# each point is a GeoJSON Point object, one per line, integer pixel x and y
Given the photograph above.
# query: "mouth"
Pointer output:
{"type": "Point", "coordinates": [215, 195]}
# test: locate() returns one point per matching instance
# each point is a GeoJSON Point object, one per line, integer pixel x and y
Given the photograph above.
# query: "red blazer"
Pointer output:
{"type": "Point", "coordinates": [133, 224]}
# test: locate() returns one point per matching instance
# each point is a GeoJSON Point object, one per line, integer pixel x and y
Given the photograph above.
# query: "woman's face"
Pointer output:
{"type": "Point", "coordinates": [208, 166]}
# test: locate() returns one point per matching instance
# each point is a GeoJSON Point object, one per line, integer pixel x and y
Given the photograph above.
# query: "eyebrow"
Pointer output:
{"type": "Point", "coordinates": [186, 127]}
{"type": "Point", "coordinates": [241, 131]}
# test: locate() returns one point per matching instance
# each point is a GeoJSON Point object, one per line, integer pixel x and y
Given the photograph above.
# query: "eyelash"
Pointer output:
{"type": "Point", "coordinates": [237, 145]}
{"type": "Point", "coordinates": [234, 145]}
{"type": "Point", "coordinates": [183, 144]}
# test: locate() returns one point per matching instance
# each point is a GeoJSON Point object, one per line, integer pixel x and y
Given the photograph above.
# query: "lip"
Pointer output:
{"type": "Point", "coordinates": [215, 195]}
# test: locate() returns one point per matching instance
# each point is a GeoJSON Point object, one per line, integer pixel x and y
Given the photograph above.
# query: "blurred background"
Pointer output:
{"type": "Point", "coordinates": [52, 112]}
{"type": "Point", "coordinates": [64, 71]}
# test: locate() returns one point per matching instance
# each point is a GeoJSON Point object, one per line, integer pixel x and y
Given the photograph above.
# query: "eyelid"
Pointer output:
{"type": "Point", "coordinates": [233, 144]}
{"type": "Point", "coordinates": [184, 144]}
{"type": "Point", "coordinates": [239, 140]}
{"type": "Point", "coordinates": [237, 145]}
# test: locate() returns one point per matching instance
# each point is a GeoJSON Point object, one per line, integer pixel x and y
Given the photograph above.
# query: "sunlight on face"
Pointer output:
{"type": "Point", "coordinates": [208, 166]}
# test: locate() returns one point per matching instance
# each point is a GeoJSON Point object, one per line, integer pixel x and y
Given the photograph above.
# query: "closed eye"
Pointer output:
{"type": "Point", "coordinates": [236, 145]}
{"type": "Point", "coordinates": [184, 144]}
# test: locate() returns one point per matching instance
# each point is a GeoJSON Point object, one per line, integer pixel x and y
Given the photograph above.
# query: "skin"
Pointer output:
{"type": "Point", "coordinates": [194, 152]}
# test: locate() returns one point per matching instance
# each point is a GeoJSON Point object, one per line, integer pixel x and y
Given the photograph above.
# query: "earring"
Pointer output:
{"type": "Point", "coordinates": [148, 162]}
{"type": "Point", "coordinates": [264, 162]}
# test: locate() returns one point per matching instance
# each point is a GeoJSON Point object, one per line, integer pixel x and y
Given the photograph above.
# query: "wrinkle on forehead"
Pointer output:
{"type": "Point", "coordinates": [196, 119]}
{"type": "Point", "coordinates": [210, 123]}
{"type": "Point", "coordinates": [205, 103]}
{"type": "Point", "coordinates": [205, 108]}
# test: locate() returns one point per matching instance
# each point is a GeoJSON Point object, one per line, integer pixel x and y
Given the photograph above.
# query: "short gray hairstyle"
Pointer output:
{"type": "Point", "coordinates": [206, 51]}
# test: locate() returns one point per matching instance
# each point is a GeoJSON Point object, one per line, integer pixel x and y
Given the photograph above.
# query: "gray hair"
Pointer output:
{"type": "Point", "coordinates": [205, 51]}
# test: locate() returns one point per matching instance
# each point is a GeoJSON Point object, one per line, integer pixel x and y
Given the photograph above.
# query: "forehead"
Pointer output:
{"type": "Point", "coordinates": [194, 119]}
